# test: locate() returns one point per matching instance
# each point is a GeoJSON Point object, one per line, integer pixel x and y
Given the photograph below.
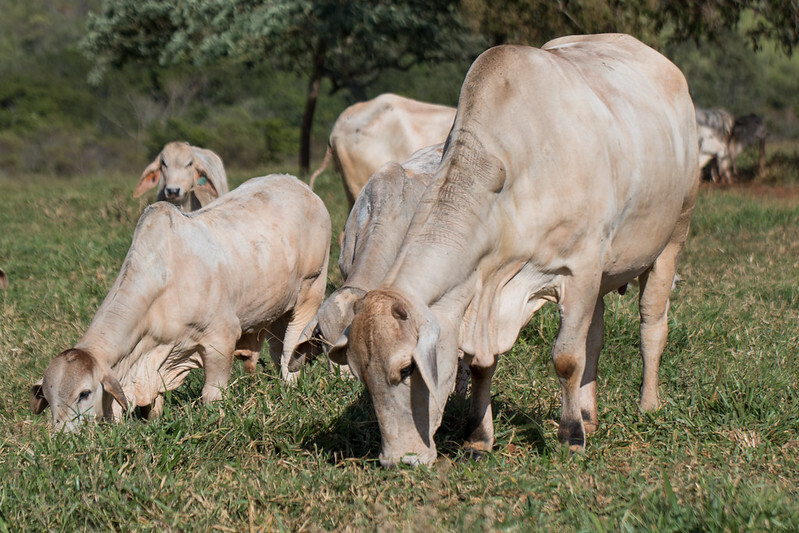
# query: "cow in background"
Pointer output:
{"type": "Point", "coordinates": [187, 176]}
{"type": "Point", "coordinates": [714, 130]}
{"type": "Point", "coordinates": [386, 128]}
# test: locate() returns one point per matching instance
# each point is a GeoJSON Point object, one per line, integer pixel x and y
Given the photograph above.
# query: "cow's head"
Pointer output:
{"type": "Point", "coordinates": [396, 348]}
{"type": "Point", "coordinates": [77, 388]}
{"type": "Point", "coordinates": [182, 172]}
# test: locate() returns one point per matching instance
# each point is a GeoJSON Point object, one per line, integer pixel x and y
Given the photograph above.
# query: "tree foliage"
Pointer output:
{"type": "Point", "coordinates": [349, 43]}
{"type": "Point", "coordinates": [536, 21]}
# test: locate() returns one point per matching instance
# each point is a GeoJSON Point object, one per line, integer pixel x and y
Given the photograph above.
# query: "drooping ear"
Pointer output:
{"type": "Point", "coordinates": [311, 344]}
{"type": "Point", "coordinates": [201, 180]}
{"type": "Point", "coordinates": [38, 401]}
{"type": "Point", "coordinates": [112, 387]}
{"type": "Point", "coordinates": [338, 352]}
{"type": "Point", "coordinates": [425, 354]}
{"type": "Point", "coordinates": [149, 178]}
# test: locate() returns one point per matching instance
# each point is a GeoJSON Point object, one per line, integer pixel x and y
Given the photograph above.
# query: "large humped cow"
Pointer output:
{"type": "Point", "coordinates": [386, 128]}
{"type": "Point", "coordinates": [197, 290]}
{"type": "Point", "coordinates": [187, 176]}
{"type": "Point", "coordinates": [570, 171]}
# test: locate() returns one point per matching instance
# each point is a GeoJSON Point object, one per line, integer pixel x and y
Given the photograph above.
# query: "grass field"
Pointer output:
{"type": "Point", "coordinates": [721, 455]}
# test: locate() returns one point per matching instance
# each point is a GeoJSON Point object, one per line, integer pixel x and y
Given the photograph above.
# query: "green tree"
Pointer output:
{"type": "Point", "coordinates": [347, 42]}
{"type": "Point", "coordinates": [536, 21]}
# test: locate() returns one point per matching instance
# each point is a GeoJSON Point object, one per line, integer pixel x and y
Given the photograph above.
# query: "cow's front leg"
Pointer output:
{"type": "Point", "coordinates": [217, 357]}
{"type": "Point", "coordinates": [577, 304]}
{"type": "Point", "coordinates": [596, 337]}
{"type": "Point", "coordinates": [480, 422]}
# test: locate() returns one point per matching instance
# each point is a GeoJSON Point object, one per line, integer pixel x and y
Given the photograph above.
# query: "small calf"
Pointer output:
{"type": "Point", "coordinates": [189, 177]}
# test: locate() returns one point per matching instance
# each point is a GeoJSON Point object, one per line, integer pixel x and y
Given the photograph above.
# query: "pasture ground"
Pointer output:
{"type": "Point", "coordinates": [721, 455]}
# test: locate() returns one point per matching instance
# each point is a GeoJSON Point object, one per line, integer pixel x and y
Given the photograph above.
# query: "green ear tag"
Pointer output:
{"type": "Point", "coordinates": [202, 181]}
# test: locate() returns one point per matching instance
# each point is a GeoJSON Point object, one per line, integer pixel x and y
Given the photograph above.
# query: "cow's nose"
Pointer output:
{"type": "Point", "coordinates": [172, 192]}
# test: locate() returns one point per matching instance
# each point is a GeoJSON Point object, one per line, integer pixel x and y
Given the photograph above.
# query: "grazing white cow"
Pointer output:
{"type": "Point", "coordinates": [189, 177]}
{"type": "Point", "coordinates": [570, 171]}
{"type": "Point", "coordinates": [197, 290]}
{"type": "Point", "coordinates": [714, 131]}
{"type": "Point", "coordinates": [386, 128]}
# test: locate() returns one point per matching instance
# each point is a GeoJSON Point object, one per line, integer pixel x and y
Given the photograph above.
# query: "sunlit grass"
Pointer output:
{"type": "Point", "coordinates": [720, 455]}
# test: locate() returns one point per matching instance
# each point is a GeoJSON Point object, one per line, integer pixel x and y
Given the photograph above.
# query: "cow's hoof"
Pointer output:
{"type": "Point", "coordinates": [590, 427]}
{"type": "Point", "coordinates": [472, 454]}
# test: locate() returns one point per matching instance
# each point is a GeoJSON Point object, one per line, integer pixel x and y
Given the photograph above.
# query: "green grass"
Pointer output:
{"type": "Point", "coordinates": [720, 455]}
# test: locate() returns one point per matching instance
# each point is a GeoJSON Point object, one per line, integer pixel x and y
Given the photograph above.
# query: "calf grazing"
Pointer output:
{"type": "Point", "coordinates": [197, 290]}
{"type": "Point", "coordinates": [714, 130]}
{"type": "Point", "coordinates": [189, 177]}
{"type": "Point", "coordinates": [534, 201]}
{"type": "Point", "coordinates": [386, 128]}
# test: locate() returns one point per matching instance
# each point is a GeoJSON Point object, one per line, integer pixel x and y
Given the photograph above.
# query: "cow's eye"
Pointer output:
{"type": "Point", "coordinates": [163, 164]}
{"type": "Point", "coordinates": [408, 370]}
{"type": "Point", "coordinates": [190, 163]}
{"type": "Point", "coordinates": [83, 395]}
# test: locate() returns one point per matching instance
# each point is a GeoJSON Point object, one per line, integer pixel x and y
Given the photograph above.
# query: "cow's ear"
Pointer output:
{"type": "Point", "coordinates": [338, 352]}
{"type": "Point", "coordinates": [112, 387]}
{"type": "Point", "coordinates": [149, 178]}
{"type": "Point", "coordinates": [201, 180]}
{"type": "Point", "coordinates": [425, 354]}
{"type": "Point", "coordinates": [38, 401]}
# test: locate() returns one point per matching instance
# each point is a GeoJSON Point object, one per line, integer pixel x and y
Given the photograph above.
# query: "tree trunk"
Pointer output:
{"type": "Point", "coordinates": [311, 98]}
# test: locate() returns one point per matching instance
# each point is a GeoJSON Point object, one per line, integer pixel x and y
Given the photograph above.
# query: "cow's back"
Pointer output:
{"type": "Point", "coordinates": [386, 128]}
{"type": "Point", "coordinates": [259, 242]}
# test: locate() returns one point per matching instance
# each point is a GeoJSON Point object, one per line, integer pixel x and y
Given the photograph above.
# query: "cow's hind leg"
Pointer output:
{"type": "Point", "coordinates": [480, 421]}
{"type": "Point", "coordinates": [576, 304]}
{"type": "Point", "coordinates": [596, 334]}
{"type": "Point", "coordinates": [248, 348]}
{"type": "Point", "coordinates": [653, 305]}
{"type": "Point", "coordinates": [309, 299]}
{"type": "Point", "coordinates": [275, 333]}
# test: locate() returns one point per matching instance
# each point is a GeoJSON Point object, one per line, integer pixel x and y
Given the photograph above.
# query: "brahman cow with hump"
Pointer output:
{"type": "Point", "coordinates": [386, 128]}
{"type": "Point", "coordinates": [570, 171]}
{"type": "Point", "coordinates": [189, 177]}
{"type": "Point", "coordinates": [197, 290]}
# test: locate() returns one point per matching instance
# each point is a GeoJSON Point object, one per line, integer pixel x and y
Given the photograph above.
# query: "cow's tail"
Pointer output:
{"type": "Point", "coordinates": [325, 164]}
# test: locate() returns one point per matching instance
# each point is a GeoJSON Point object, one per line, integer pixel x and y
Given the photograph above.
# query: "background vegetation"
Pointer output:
{"type": "Point", "coordinates": [247, 100]}
{"type": "Point", "coordinates": [722, 454]}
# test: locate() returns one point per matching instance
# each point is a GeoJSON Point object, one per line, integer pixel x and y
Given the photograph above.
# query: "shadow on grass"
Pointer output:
{"type": "Point", "coordinates": [355, 434]}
